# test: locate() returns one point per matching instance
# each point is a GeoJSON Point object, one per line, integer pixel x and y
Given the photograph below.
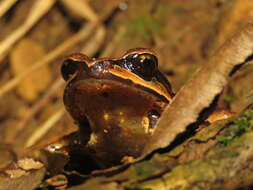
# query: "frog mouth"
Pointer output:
{"type": "Point", "coordinates": [145, 88]}
{"type": "Point", "coordinates": [126, 76]}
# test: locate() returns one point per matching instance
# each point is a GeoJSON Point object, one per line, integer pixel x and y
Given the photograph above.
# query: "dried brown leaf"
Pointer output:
{"type": "Point", "coordinates": [26, 182]}
{"type": "Point", "coordinates": [15, 173]}
{"type": "Point", "coordinates": [200, 91]}
{"type": "Point", "coordinates": [59, 181]}
{"type": "Point", "coordinates": [29, 163]}
{"type": "Point", "coordinates": [23, 56]}
{"type": "Point", "coordinates": [37, 11]}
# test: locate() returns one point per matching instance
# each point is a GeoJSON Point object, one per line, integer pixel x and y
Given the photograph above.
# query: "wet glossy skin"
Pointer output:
{"type": "Point", "coordinates": [116, 102]}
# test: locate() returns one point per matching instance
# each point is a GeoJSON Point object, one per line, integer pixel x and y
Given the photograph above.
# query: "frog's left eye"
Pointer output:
{"type": "Point", "coordinates": [145, 65]}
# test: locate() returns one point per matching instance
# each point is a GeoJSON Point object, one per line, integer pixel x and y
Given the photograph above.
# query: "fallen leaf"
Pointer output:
{"type": "Point", "coordinates": [15, 173]}
{"type": "Point", "coordinates": [24, 55]}
{"type": "Point", "coordinates": [26, 182]}
{"type": "Point", "coordinates": [200, 91]}
{"type": "Point", "coordinates": [29, 163]}
{"type": "Point", "coordinates": [59, 181]}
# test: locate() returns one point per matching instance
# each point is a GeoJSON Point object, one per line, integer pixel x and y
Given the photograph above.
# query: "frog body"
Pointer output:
{"type": "Point", "coordinates": [115, 102]}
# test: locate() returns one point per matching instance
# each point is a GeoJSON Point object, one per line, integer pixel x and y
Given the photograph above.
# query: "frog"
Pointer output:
{"type": "Point", "coordinates": [116, 102]}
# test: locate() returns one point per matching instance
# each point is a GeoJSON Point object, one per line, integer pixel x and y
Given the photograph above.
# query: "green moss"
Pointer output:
{"type": "Point", "coordinates": [229, 98]}
{"type": "Point", "coordinates": [151, 167]}
{"type": "Point", "coordinates": [248, 115]}
{"type": "Point", "coordinates": [43, 186]}
{"type": "Point", "coordinates": [225, 140]}
{"type": "Point", "coordinates": [238, 127]}
{"type": "Point", "coordinates": [144, 24]}
{"type": "Point", "coordinates": [153, 184]}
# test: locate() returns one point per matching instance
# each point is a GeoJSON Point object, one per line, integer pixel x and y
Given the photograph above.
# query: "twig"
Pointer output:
{"type": "Point", "coordinates": [82, 9]}
{"type": "Point", "coordinates": [95, 42]}
{"type": "Point", "coordinates": [34, 109]}
{"type": "Point", "coordinates": [117, 38]}
{"type": "Point", "coordinates": [39, 9]}
{"type": "Point", "coordinates": [5, 5]}
{"type": "Point", "coordinates": [81, 35]}
{"type": "Point", "coordinates": [43, 129]}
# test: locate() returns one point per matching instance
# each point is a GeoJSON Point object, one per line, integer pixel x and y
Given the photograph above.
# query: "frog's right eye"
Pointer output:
{"type": "Point", "coordinates": [69, 68]}
{"type": "Point", "coordinates": [72, 65]}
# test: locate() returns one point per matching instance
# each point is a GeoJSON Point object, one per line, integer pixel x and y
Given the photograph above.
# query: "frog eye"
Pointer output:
{"type": "Point", "coordinates": [72, 65]}
{"type": "Point", "coordinates": [145, 65]}
{"type": "Point", "coordinates": [68, 69]}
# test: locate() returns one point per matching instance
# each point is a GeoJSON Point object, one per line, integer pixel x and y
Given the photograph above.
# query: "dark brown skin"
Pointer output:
{"type": "Point", "coordinates": [116, 102]}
